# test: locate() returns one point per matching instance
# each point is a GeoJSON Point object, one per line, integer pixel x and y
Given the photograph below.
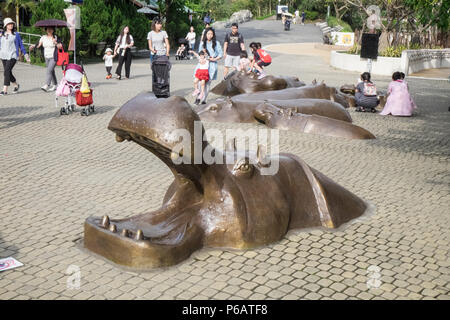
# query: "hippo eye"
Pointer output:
{"type": "Point", "coordinates": [214, 108]}
{"type": "Point", "coordinates": [243, 168]}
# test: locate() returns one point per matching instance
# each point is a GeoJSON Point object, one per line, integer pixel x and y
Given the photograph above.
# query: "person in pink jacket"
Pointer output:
{"type": "Point", "coordinates": [399, 101]}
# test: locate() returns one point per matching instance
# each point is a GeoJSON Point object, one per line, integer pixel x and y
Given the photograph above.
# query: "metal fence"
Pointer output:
{"type": "Point", "coordinates": [29, 37]}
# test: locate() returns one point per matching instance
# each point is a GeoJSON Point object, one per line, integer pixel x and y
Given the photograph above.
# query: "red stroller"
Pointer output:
{"type": "Point", "coordinates": [69, 87]}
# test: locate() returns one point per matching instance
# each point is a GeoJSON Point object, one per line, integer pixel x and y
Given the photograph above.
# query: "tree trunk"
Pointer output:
{"type": "Point", "coordinates": [17, 17]}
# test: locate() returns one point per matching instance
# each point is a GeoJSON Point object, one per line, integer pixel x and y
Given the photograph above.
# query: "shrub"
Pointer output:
{"type": "Point", "coordinates": [333, 22]}
{"type": "Point", "coordinates": [311, 15]}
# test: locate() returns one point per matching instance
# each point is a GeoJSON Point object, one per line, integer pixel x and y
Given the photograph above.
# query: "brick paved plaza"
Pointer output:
{"type": "Point", "coordinates": [58, 170]}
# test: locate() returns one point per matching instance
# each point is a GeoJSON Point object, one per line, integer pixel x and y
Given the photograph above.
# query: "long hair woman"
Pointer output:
{"type": "Point", "coordinates": [212, 48]}
{"type": "Point", "coordinates": [123, 50]}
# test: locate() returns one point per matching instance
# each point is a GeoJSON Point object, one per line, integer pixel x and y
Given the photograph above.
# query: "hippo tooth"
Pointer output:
{"type": "Point", "coordinates": [113, 228]}
{"type": "Point", "coordinates": [125, 232]}
{"type": "Point", "coordinates": [139, 235]}
{"type": "Point", "coordinates": [119, 138]}
{"type": "Point", "coordinates": [105, 222]}
{"type": "Point", "coordinates": [174, 156]}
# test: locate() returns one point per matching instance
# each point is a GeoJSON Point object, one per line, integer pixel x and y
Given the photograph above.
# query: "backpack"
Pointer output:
{"type": "Point", "coordinates": [369, 89]}
{"type": "Point", "coordinates": [265, 57]}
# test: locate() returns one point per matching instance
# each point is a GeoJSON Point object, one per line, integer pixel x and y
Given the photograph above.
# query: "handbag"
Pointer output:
{"type": "Point", "coordinates": [63, 89]}
{"type": "Point", "coordinates": [63, 58]}
{"type": "Point", "coordinates": [84, 99]}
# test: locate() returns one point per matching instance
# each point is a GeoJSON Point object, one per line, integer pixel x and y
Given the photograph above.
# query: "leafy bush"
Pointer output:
{"type": "Point", "coordinates": [394, 52]}
{"type": "Point", "coordinates": [311, 15]}
{"type": "Point", "coordinates": [333, 22]}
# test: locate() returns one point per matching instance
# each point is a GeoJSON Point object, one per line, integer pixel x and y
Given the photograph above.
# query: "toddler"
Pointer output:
{"type": "Point", "coordinates": [244, 62]}
{"type": "Point", "coordinates": [201, 74]}
{"type": "Point", "coordinates": [108, 57]}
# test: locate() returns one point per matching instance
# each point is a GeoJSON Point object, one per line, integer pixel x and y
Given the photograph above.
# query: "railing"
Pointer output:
{"type": "Point", "coordinates": [28, 36]}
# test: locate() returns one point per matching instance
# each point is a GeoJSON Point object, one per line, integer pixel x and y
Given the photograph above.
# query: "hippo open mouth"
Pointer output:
{"type": "Point", "coordinates": [219, 204]}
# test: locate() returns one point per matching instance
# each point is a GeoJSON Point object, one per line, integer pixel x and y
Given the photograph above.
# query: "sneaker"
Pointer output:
{"type": "Point", "coordinates": [195, 93]}
{"type": "Point", "coordinates": [16, 89]}
{"type": "Point", "coordinates": [45, 88]}
{"type": "Point", "coordinates": [197, 101]}
{"type": "Point", "coordinates": [118, 77]}
{"type": "Point", "coordinates": [3, 93]}
{"type": "Point", "coordinates": [262, 75]}
{"type": "Point", "coordinates": [52, 88]}
{"type": "Point", "coordinates": [201, 96]}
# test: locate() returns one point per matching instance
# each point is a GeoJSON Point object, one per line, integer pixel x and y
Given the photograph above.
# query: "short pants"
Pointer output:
{"type": "Point", "coordinates": [232, 61]}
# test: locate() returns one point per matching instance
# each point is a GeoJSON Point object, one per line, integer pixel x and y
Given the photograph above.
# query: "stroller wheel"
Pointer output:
{"type": "Point", "coordinates": [86, 111]}
{"type": "Point", "coordinates": [91, 109]}
{"type": "Point", "coordinates": [72, 107]}
{"type": "Point", "coordinates": [62, 111]}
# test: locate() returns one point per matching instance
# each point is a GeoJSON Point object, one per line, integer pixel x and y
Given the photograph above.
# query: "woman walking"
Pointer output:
{"type": "Point", "coordinates": [10, 43]}
{"type": "Point", "coordinates": [49, 44]}
{"type": "Point", "coordinates": [191, 38]}
{"type": "Point", "coordinates": [214, 52]}
{"type": "Point", "coordinates": [123, 44]}
{"type": "Point", "coordinates": [158, 41]}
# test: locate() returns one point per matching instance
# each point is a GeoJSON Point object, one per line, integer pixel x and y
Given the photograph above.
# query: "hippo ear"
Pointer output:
{"type": "Point", "coordinates": [314, 82]}
{"type": "Point", "coordinates": [263, 160]}
{"type": "Point", "coordinates": [231, 145]}
{"type": "Point", "coordinates": [290, 112]}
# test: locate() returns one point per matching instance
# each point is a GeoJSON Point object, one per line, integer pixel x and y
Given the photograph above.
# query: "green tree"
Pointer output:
{"type": "Point", "coordinates": [20, 4]}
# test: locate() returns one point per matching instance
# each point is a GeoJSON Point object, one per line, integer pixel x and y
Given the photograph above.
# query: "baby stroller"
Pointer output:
{"type": "Point", "coordinates": [185, 53]}
{"type": "Point", "coordinates": [161, 77]}
{"type": "Point", "coordinates": [69, 87]}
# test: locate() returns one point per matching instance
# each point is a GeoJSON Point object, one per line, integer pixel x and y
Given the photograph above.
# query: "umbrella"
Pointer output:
{"type": "Point", "coordinates": [287, 14]}
{"type": "Point", "coordinates": [147, 10]}
{"type": "Point", "coordinates": [51, 23]}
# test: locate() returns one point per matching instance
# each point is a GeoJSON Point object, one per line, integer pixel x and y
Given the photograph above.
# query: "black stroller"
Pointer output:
{"type": "Point", "coordinates": [161, 77]}
{"type": "Point", "coordinates": [185, 53]}
{"type": "Point", "coordinates": [287, 25]}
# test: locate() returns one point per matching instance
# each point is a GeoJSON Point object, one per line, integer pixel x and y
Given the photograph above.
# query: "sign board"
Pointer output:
{"type": "Point", "coordinates": [343, 38]}
{"type": "Point", "coordinates": [282, 9]}
{"type": "Point", "coordinates": [369, 46]}
{"type": "Point", "coordinates": [9, 263]}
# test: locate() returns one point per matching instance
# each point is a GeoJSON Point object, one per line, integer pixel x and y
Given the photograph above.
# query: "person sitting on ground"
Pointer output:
{"type": "Point", "coordinates": [366, 94]}
{"type": "Point", "coordinates": [399, 101]}
{"type": "Point", "coordinates": [201, 74]}
{"type": "Point", "coordinates": [180, 51]}
{"type": "Point", "coordinates": [260, 59]}
{"type": "Point", "coordinates": [244, 62]}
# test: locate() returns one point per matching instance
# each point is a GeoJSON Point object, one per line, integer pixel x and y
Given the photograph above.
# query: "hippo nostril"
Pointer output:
{"type": "Point", "coordinates": [125, 233]}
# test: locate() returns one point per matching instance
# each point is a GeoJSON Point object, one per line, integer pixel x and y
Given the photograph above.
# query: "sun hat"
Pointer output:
{"type": "Point", "coordinates": [108, 50]}
{"type": "Point", "coordinates": [8, 21]}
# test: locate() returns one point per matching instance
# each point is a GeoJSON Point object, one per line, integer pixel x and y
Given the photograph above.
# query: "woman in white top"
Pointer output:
{"type": "Point", "coordinates": [158, 41]}
{"type": "Point", "coordinates": [50, 44]}
{"type": "Point", "coordinates": [123, 44]}
{"type": "Point", "coordinates": [191, 38]}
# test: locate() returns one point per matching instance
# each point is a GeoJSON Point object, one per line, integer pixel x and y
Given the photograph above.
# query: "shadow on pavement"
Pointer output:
{"type": "Point", "coordinates": [7, 250]}
{"type": "Point", "coordinates": [10, 111]}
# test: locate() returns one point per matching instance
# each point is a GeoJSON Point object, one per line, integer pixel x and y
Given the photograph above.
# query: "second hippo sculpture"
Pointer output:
{"type": "Point", "coordinates": [242, 110]}
{"type": "Point", "coordinates": [242, 82]}
{"type": "Point", "coordinates": [232, 202]}
{"type": "Point", "coordinates": [286, 119]}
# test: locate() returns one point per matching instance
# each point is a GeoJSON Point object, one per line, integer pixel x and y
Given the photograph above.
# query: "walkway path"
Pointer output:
{"type": "Point", "coordinates": [58, 170]}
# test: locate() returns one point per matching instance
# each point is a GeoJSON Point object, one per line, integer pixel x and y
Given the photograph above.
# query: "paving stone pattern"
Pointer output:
{"type": "Point", "coordinates": [59, 170]}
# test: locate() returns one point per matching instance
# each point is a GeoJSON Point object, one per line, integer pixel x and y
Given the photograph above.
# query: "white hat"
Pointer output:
{"type": "Point", "coordinates": [8, 21]}
{"type": "Point", "coordinates": [108, 50]}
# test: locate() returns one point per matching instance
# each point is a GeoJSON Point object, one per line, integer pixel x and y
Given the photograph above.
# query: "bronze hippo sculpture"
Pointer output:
{"type": "Point", "coordinates": [234, 203]}
{"type": "Point", "coordinates": [313, 91]}
{"type": "Point", "coordinates": [286, 119]}
{"type": "Point", "coordinates": [235, 110]}
{"type": "Point", "coordinates": [241, 82]}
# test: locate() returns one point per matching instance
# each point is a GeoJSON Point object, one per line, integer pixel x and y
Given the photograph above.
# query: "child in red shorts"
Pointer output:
{"type": "Point", "coordinates": [201, 74]}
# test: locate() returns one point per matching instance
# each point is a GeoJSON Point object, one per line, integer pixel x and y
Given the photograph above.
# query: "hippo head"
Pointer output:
{"type": "Point", "coordinates": [221, 199]}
